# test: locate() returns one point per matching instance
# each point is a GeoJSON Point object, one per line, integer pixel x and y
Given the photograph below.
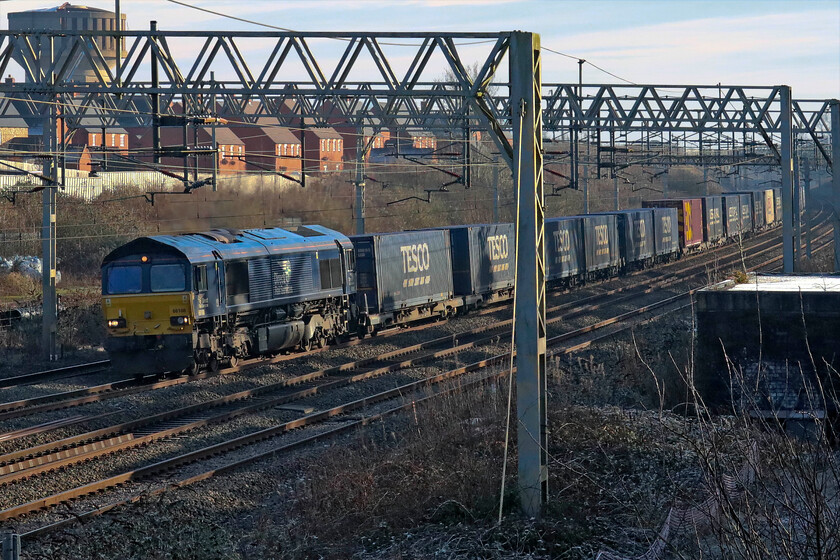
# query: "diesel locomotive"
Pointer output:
{"type": "Point", "coordinates": [183, 302]}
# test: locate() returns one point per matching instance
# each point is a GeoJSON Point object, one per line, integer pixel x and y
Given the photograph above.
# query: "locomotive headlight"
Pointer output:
{"type": "Point", "coordinates": [116, 323]}
{"type": "Point", "coordinates": [179, 321]}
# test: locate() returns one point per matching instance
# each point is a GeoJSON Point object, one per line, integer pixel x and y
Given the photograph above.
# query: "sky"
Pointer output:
{"type": "Point", "coordinates": [733, 42]}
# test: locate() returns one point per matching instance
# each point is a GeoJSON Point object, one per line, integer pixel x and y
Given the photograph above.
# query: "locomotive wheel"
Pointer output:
{"type": "Point", "coordinates": [306, 345]}
{"type": "Point", "coordinates": [213, 366]}
{"type": "Point", "coordinates": [321, 340]}
{"type": "Point", "coordinates": [234, 361]}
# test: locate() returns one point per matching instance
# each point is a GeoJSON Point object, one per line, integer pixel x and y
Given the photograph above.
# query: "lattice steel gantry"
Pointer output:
{"type": "Point", "coordinates": [150, 79]}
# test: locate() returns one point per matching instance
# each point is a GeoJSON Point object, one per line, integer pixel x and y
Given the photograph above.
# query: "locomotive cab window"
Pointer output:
{"type": "Point", "coordinates": [200, 278]}
{"type": "Point", "coordinates": [124, 280]}
{"type": "Point", "coordinates": [167, 278]}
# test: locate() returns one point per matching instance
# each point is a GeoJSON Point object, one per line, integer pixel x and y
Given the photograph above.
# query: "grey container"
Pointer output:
{"type": "Point", "coordinates": [666, 237]}
{"type": "Point", "coordinates": [564, 247]}
{"type": "Point", "coordinates": [777, 197]}
{"type": "Point", "coordinates": [401, 270]}
{"type": "Point", "coordinates": [755, 220]}
{"type": "Point", "coordinates": [601, 242]}
{"type": "Point", "coordinates": [759, 217]}
{"type": "Point", "coordinates": [483, 257]}
{"type": "Point", "coordinates": [747, 212]}
{"type": "Point", "coordinates": [713, 227]}
{"type": "Point", "coordinates": [635, 234]}
{"type": "Point", "coordinates": [732, 214]}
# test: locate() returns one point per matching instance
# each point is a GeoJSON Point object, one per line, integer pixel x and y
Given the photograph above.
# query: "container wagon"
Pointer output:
{"type": "Point", "coordinates": [666, 246]}
{"type": "Point", "coordinates": [402, 277]}
{"type": "Point", "coordinates": [757, 218]}
{"type": "Point", "coordinates": [689, 219]}
{"type": "Point", "coordinates": [483, 262]}
{"type": "Point", "coordinates": [732, 215]}
{"type": "Point", "coordinates": [635, 236]}
{"type": "Point", "coordinates": [714, 229]}
{"type": "Point", "coordinates": [777, 197]}
{"type": "Point", "coordinates": [565, 254]}
{"type": "Point", "coordinates": [602, 245]}
{"type": "Point", "coordinates": [747, 213]}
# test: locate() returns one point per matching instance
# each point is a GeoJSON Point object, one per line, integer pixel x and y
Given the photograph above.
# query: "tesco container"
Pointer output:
{"type": "Point", "coordinates": [635, 234]}
{"type": "Point", "coordinates": [689, 218]}
{"type": "Point", "coordinates": [564, 248]}
{"type": "Point", "coordinates": [713, 225]}
{"type": "Point", "coordinates": [732, 214]}
{"type": "Point", "coordinates": [747, 212]}
{"type": "Point", "coordinates": [602, 243]}
{"type": "Point", "coordinates": [399, 270]}
{"type": "Point", "coordinates": [483, 257]}
{"type": "Point", "coordinates": [665, 232]}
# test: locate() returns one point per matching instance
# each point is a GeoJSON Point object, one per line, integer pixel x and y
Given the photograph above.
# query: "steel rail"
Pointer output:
{"type": "Point", "coordinates": [57, 373]}
{"type": "Point", "coordinates": [48, 403]}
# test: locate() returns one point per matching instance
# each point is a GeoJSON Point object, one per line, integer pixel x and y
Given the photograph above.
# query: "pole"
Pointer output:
{"type": "Point", "coordinates": [586, 175]}
{"type": "Point", "coordinates": [806, 179]}
{"type": "Point", "coordinates": [11, 546]}
{"type": "Point", "coordinates": [495, 191]}
{"type": "Point", "coordinates": [118, 40]}
{"type": "Point", "coordinates": [835, 177]}
{"type": "Point", "coordinates": [360, 181]}
{"type": "Point", "coordinates": [797, 211]}
{"type": "Point", "coordinates": [155, 100]}
{"type": "Point", "coordinates": [530, 331]}
{"type": "Point", "coordinates": [467, 157]}
{"type": "Point", "coordinates": [787, 178]}
{"type": "Point", "coordinates": [48, 229]}
{"type": "Point", "coordinates": [215, 144]}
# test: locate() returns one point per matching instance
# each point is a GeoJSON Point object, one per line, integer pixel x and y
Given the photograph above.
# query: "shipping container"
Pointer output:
{"type": "Point", "coordinates": [635, 234]}
{"type": "Point", "coordinates": [713, 211]}
{"type": "Point", "coordinates": [564, 248]}
{"type": "Point", "coordinates": [689, 217]}
{"type": "Point", "coordinates": [732, 214]}
{"type": "Point", "coordinates": [402, 270]}
{"type": "Point", "coordinates": [665, 233]}
{"type": "Point", "coordinates": [777, 197]}
{"type": "Point", "coordinates": [601, 242]}
{"type": "Point", "coordinates": [756, 199]}
{"type": "Point", "coordinates": [769, 207]}
{"type": "Point", "coordinates": [747, 213]}
{"type": "Point", "coordinates": [483, 257]}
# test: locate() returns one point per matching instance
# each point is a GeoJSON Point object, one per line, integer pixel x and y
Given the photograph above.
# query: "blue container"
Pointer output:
{"type": "Point", "coordinates": [666, 240]}
{"type": "Point", "coordinates": [397, 271]}
{"type": "Point", "coordinates": [483, 257]}
{"type": "Point", "coordinates": [564, 248]}
{"type": "Point", "coordinates": [732, 214]}
{"type": "Point", "coordinates": [713, 226]}
{"type": "Point", "coordinates": [635, 234]}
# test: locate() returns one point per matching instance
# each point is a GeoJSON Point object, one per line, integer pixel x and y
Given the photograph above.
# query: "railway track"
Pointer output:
{"type": "Point", "coordinates": [555, 313]}
{"type": "Point", "coordinates": [84, 369]}
{"type": "Point", "coordinates": [341, 376]}
{"type": "Point", "coordinates": [676, 273]}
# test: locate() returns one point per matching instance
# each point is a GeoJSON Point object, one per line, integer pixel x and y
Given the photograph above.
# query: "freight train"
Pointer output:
{"type": "Point", "coordinates": [181, 303]}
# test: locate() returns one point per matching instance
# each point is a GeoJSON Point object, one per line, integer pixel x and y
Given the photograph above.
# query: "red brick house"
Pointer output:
{"type": "Point", "coordinates": [323, 150]}
{"type": "Point", "coordinates": [270, 147]}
